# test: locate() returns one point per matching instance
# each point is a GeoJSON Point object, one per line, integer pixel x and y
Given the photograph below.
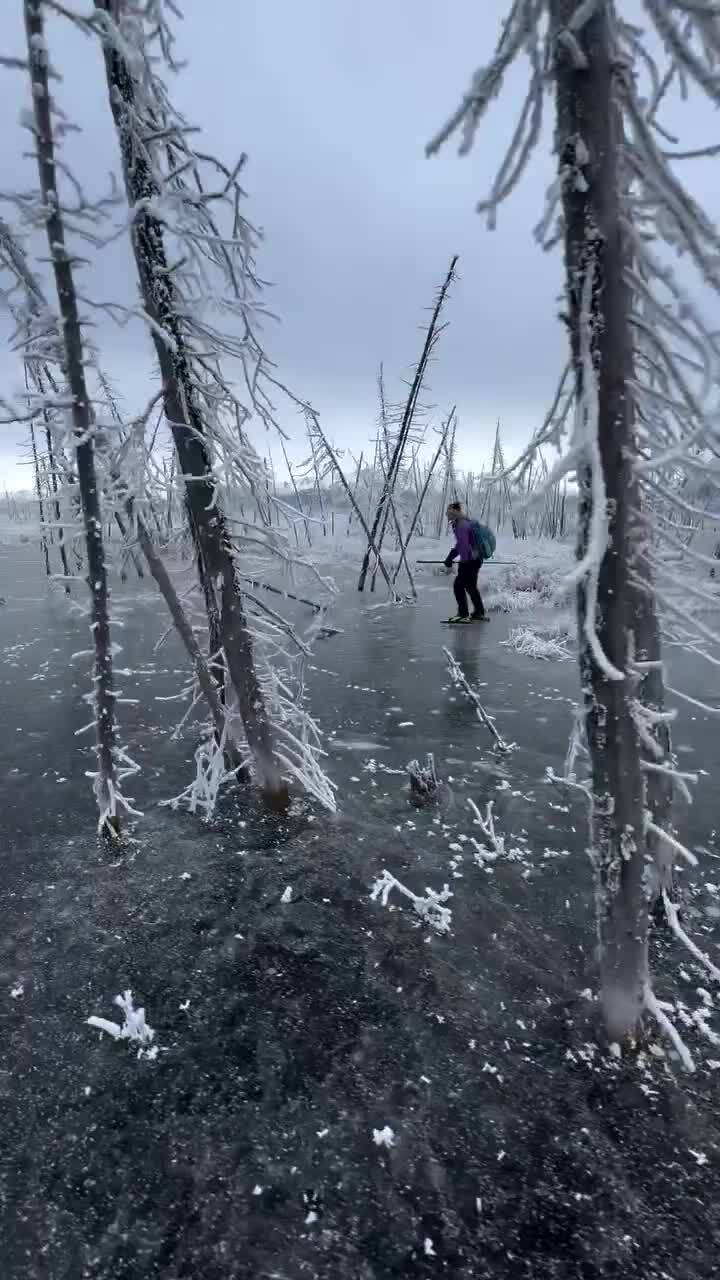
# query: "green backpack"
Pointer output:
{"type": "Point", "coordinates": [483, 539]}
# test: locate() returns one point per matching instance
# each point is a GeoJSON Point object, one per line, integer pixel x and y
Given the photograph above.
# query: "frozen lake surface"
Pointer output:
{"type": "Point", "coordinates": [289, 1033]}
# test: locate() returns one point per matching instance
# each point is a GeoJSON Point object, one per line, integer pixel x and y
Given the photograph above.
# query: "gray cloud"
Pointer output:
{"type": "Point", "coordinates": [334, 103]}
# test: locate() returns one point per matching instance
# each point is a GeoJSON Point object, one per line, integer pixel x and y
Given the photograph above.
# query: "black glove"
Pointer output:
{"type": "Point", "coordinates": [449, 562]}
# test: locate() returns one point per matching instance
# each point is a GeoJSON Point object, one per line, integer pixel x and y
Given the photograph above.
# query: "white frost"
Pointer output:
{"type": "Point", "coordinates": [429, 908]}
{"type": "Point", "coordinates": [384, 1137]}
{"type": "Point", "coordinates": [134, 1027]}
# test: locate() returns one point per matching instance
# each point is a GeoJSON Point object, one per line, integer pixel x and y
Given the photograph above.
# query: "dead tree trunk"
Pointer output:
{"type": "Point", "coordinates": [125, 533]}
{"type": "Point", "coordinates": [406, 423]}
{"type": "Point", "coordinates": [41, 505]}
{"type": "Point", "coordinates": [589, 135]}
{"type": "Point", "coordinates": [56, 504]}
{"type": "Point", "coordinates": [388, 486]}
{"type": "Point", "coordinates": [330, 452]}
{"type": "Point", "coordinates": [207, 521]}
{"type": "Point", "coordinates": [401, 545]}
{"type": "Point", "coordinates": [105, 783]}
{"type": "Point", "coordinates": [425, 488]}
{"type": "Point", "coordinates": [296, 492]}
{"type": "Point", "coordinates": [449, 450]}
{"type": "Point", "coordinates": [355, 487]}
{"type": "Point", "coordinates": [215, 647]}
{"type": "Point", "coordinates": [207, 685]}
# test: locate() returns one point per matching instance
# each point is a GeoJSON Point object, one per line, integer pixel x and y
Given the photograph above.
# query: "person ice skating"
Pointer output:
{"type": "Point", "coordinates": [468, 549]}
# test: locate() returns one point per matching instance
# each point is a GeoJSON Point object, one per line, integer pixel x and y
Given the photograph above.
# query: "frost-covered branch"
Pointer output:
{"type": "Point", "coordinates": [111, 803]}
{"type": "Point", "coordinates": [495, 842]}
{"type": "Point", "coordinates": [430, 908]}
{"type": "Point", "coordinates": [459, 679]}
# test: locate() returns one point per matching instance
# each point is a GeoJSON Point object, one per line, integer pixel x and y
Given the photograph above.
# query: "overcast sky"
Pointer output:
{"type": "Point", "coordinates": [333, 102]}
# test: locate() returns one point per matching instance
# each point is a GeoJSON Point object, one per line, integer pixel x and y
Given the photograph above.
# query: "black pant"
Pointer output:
{"type": "Point", "coordinates": [465, 585]}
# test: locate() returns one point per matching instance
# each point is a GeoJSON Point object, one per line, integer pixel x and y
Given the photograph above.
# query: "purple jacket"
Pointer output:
{"type": "Point", "coordinates": [464, 546]}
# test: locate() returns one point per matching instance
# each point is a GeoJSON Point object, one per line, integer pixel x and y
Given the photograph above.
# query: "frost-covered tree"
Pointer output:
{"type": "Point", "coordinates": [644, 365]}
{"type": "Point", "coordinates": [34, 324]}
{"type": "Point", "coordinates": [51, 211]}
{"type": "Point", "coordinates": [390, 456]}
{"type": "Point", "coordinates": [199, 298]}
{"type": "Point", "coordinates": [148, 131]}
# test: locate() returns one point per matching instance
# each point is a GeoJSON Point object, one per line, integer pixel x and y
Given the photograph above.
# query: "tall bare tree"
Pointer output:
{"type": "Point", "coordinates": [106, 788]}
{"type": "Point", "coordinates": [643, 361]}
{"type": "Point", "coordinates": [30, 314]}
{"type": "Point", "coordinates": [139, 121]}
{"type": "Point", "coordinates": [598, 299]}
{"type": "Point", "coordinates": [391, 470]}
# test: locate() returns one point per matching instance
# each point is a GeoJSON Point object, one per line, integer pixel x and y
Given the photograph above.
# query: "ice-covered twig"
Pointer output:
{"type": "Point", "coordinates": [673, 920]}
{"type": "Point", "coordinates": [657, 1010]}
{"type": "Point", "coordinates": [487, 826]}
{"type": "Point", "coordinates": [429, 908]}
{"type": "Point", "coordinates": [460, 681]}
{"type": "Point", "coordinates": [675, 776]}
{"type": "Point", "coordinates": [211, 774]}
{"type": "Point", "coordinates": [560, 780]}
{"type": "Point", "coordinates": [669, 839]}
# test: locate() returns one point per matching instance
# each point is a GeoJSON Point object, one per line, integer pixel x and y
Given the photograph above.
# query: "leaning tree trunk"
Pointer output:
{"type": "Point", "coordinates": [589, 133]}
{"type": "Point", "coordinates": [56, 503]}
{"type": "Point", "coordinates": [423, 492]}
{"type": "Point", "coordinates": [212, 612]}
{"type": "Point", "coordinates": [184, 629]}
{"type": "Point", "coordinates": [105, 784]}
{"type": "Point", "coordinates": [207, 521]}
{"type": "Point", "coordinates": [41, 505]}
{"type": "Point", "coordinates": [393, 464]}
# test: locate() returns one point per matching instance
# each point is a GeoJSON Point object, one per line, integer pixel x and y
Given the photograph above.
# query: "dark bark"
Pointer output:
{"type": "Point", "coordinates": [589, 131]}
{"type": "Point", "coordinates": [81, 415]}
{"type": "Point", "coordinates": [208, 687]}
{"type": "Point", "coordinates": [207, 521]}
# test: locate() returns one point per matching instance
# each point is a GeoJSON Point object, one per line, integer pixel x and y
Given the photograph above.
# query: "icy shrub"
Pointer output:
{"type": "Point", "coordinates": [541, 642]}
{"type": "Point", "coordinates": [429, 908]}
{"type": "Point", "coordinates": [134, 1027]}
{"type": "Point", "coordinates": [526, 586]}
